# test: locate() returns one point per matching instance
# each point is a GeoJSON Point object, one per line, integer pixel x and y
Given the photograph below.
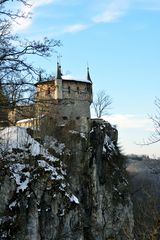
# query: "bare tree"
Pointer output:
{"type": "Point", "coordinates": [17, 73]}
{"type": "Point", "coordinates": [155, 136]}
{"type": "Point", "coordinates": [101, 103]}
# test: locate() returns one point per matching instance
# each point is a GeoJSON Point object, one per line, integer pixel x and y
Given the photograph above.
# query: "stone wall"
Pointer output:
{"type": "Point", "coordinates": [77, 90]}
{"type": "Point", "coordinates": [71, 106]}
{"type": "Point", "coordinates": [64, 112]}
{"type": "Point", "coordinates": [21, 112]}
{"type": "Point", "coordinates": [45, 90]}
{"type": "Point", "coordinates": [64, 89]}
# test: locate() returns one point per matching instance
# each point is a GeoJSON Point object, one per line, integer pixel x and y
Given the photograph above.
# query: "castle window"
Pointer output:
{"type": "Point", "coordinates": [78, 90]}
{"type": "Point", "coordinates": [65, 118]}
{"type": "Point", "coordinates": [78, 118]}
{"type": "Point", "coordinates": [49, 91]}
{"type": "Point", "coordinates": [69, 89]}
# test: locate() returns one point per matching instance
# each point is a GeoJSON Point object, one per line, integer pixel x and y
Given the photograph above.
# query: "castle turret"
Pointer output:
{"type": "Point", "coordinates": [58, 82]}
{"type": "Point", "coordinates": [88, 75]}
{"type": "Point", "coordinates": [89, 79]}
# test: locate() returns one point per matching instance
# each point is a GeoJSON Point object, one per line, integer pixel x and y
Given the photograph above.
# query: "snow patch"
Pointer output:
{"type": "Point", "coordinates": [83, 135]}
{"type": "Point", "coordinates": [21, 178]}
{"type": "Point", "coordinates": [51, 142]}
{"type": "Point", "coordinates": [48, 168]}
{"type": "Point", "coordinates": [72, 198]}
{"type": "Point", "coordinates": [18, 138]}
{"type": "Point", "coordinates": [72, 78]}
{"type": "Point", "coordinates": [12, 205]}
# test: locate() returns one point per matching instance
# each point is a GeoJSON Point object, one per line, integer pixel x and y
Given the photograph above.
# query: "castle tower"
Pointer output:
{"type": "Point", "coordinates": [66, 99]}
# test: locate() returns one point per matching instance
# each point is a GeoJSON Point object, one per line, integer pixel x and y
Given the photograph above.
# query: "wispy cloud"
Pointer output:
{"type": "Point", "coordinates": [37, 3]}
{"type": "Point", "coordinates": [23, 23]}
{"type": "Point", "coordinates": [75, 28]}
{"type": "Point", "coordinates": [106, 11]}
{"type": "Point", "coordinates": [130, 121]}
{"type": "Point", "coordinates": [113, 10]}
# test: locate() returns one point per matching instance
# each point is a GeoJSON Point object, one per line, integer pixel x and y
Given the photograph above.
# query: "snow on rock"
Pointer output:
{"type": "Point", "coordinates": [53, 143]}
{"type": "Point", "coordinates": [13, 204]}
{"type": "Point", "coordinates": [47, 167]}
{"type": "Point", "coordinates": [72, 198]}
{"type": "Point", "coordinates": [108, 146]}
{"type": "Point", "coordinates": [83, 135]}
{"type": "Point", "coordinates": [21, 177]}
{"type": "Point", "coordinates": [27, 159]}
{"type": "Point", "coordinates": [18, 138]}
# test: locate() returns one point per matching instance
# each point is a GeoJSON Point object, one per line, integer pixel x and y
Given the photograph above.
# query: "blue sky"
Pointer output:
{"type": "Point", "coordinates": [120, 40]}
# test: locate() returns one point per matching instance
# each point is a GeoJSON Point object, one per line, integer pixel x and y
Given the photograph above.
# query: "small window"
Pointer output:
{"type": "Point", "coordinates": [49, 90]}
{"type": "Point", "coordinates": [78, 118]}
{"type": "Point", "coordinates": [78, 90]}
{"type": "Point", "coordinates": [69, 89]}
{"type": "Point", "coordinates": [65, 118]}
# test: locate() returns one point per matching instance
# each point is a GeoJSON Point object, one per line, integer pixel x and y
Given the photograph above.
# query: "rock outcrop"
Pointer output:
{"type": "Point", "coordinates": [73, 189]}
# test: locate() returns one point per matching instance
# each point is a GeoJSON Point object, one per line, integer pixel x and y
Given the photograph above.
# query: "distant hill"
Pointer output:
{"type": "Point", "coordinates": [144, 179]}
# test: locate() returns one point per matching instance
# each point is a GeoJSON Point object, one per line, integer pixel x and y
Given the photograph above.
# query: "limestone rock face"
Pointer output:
{"type": "Point", "coordinates": [73, 190]}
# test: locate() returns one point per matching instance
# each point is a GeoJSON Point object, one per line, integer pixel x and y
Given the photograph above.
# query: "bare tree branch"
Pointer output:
{"type": "Point", "coordinates": [101, 103]}
{"type": "Point", "coordinates": [155, 137]}
{"type": "Point", "coordinates": [17, 73]}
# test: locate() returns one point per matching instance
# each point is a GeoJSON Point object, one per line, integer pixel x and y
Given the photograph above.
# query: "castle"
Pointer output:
{"type": "Point", "coordinates": [61, 100]}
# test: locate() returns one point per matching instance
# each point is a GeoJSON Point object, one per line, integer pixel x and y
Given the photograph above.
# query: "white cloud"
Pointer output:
{"type": "Point", "coordinates": [75, 28]}
{"type": "Point", "coordinates": [113, 10]}
{"type": "Point", "coordinates": [37, 3]}
{"type": "Point", "coordinates": [132, 141]}
{"type": "Point", "coordinates": [23, 23]}
{"type": "Point", "coordinates": [130, 121]}
{"type": "Point", "coordinates": [107, 11]}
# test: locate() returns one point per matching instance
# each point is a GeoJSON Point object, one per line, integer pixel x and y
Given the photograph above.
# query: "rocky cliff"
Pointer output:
{"type": "Point", "coordinates": [71, 188]}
